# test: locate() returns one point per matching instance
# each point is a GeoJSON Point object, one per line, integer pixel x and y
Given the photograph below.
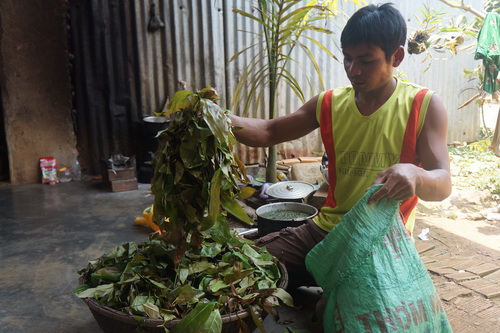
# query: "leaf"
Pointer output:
{"type": "Point", "coordinates": [199, 317]}
{"type": "Point", "coordinates": [96, 292]}
{"type": "Point", "coordinates": [255, 256]}
{"type": "Point", "coordinates": [183, 275]}
{"type": "Point", "coordinates": [137, 303]}
{"type": "Point", "coordinates": [187, 295]}
{"type": "Point", "coordinates": [107, 273]}
{"type": "Point", "coordinates": [284, 296]}
{"type": "Point", "coordinates": [246, 192]}
{"type": "Point", "coordinates": [167, 315]}
{"type": "Point", "coordinates": [216, 120]}
{"type": "Point", "coordinates": [220, 232]}
{"type": "Point", "coordinates": [257, 320]}
{"type": "Point", "coordinates": [210, 250]}
{"type": "Point", "coordinates": [250, 16]}
{"type": "Point", "coordinates": [199, 266]}
{"type": "Point", "coordinates": [152, 310]}
{"type": "Point", "coordinates": [80, 288]}
{"type": "Point", "coordinates": [189, 153]}
{"type": "Point", "coordinates": [217, 285]}
{"type": "Point", "coordinates": [232, 207]}
{"type": "Point", "coordinates": [213, 324]}
{"type": "Point", "coordinates": [214, 205]}
{"type": "Point", "coordinates": [180, 101]}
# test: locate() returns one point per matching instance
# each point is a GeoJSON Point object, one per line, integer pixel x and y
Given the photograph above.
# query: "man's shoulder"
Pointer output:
{"type": "Point", "coordinates": [411, 90]}
{"type": "Point", "coordinates": [342, 90]}
{"type": "Point", "coordinates": [411, 86]}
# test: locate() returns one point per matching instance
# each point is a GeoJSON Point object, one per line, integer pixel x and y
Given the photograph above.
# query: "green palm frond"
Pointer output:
{"type": "Point", "coordinates": [282, 25]}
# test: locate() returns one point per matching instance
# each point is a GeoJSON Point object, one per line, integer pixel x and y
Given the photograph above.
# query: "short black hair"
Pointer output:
{"type": "Point", "coordinates": [381, 25]}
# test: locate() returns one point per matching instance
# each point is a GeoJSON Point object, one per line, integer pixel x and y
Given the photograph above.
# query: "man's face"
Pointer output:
{"type": "Point", "coordinates": [366, 67]}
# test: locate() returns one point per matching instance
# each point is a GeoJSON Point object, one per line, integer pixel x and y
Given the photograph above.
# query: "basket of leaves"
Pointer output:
{"type": "Point", "coordinates": [195, 275]}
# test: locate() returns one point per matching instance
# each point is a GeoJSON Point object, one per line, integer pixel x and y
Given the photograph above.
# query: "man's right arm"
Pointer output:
{"type": "Point", "coordinates": [257, 132]}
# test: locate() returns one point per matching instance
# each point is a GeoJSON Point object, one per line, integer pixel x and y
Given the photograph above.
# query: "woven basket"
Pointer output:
{"type": "Point", "coordinates": [114, 321]}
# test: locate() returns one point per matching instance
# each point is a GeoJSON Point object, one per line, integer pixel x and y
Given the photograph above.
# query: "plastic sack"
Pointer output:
{"type": "Point", "coordinates": [48, 166]}
{"type": "Point", "coordinates": [372, 276]}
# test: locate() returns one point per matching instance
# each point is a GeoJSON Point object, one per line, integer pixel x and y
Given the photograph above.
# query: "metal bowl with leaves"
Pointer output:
{"type": "Point", "coordinates": [221, 286]}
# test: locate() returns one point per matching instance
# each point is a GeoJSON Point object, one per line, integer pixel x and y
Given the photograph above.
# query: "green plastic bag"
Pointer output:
{"type": "Point", "coordinates": [372, 276]}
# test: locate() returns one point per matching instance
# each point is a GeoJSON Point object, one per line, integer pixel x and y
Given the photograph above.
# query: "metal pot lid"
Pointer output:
{"type": "Point", "coordinates": [155, 119]}
{"type": "Point", "coordinates": [290, 190]}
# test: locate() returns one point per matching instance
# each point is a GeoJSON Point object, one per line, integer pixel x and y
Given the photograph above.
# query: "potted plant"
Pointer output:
{"type": "Point", "coordinates": [195, 273]}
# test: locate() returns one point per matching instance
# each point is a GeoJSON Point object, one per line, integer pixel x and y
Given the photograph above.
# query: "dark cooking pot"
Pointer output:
{"type": "Point", "coordinates": [276, 216]}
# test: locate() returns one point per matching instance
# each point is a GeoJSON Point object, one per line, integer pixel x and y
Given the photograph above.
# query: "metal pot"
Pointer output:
{"type": "Point", "coordinates": [292, 190]}
{"type": "Point", "coordinates": [267, 225]}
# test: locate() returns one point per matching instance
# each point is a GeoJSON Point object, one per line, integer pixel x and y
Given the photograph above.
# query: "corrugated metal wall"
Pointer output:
{"type": "Point", "coordinates": [107, 100]}
{"type": "Point", "coordinates": [123, 71]}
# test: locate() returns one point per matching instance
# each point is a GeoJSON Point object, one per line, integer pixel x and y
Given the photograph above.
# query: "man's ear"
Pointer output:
{"type": "Point", "coordinates": [398, 56]}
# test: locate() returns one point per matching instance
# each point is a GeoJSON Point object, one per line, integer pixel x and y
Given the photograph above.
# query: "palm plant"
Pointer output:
{"type": "Point", "coordinates": [283, 25]}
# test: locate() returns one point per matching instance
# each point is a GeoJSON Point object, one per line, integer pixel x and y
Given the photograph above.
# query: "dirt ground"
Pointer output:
{"type": "Point", "coordinates": [469, 214]}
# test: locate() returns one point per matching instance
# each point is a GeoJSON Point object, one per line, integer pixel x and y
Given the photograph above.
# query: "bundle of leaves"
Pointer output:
{"type": "Point", "coordinates": [197, 176]}
{"type": "Point", "coordinates": [195, 269]}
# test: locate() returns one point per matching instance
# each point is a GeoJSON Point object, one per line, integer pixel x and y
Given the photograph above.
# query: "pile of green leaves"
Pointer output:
{"type": "Point", "coordinates": [197, 176]}
{"type": "Point", "coordinates": [195, 269]}
{"type": "Point", "coordinates": [217, 279]}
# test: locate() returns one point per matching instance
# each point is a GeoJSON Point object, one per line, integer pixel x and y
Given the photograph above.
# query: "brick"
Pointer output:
{"type": "Point", "coordinates": [462, 276]}
{"type": "Point", "coordinates": [473, 304]}
{"type": "Point", "coordinates": [441, 270]}
{"type": "Point", "coordinates": [448, 262]}
{"type": "Point", "coordinates": [124, 185]}
{"type": "Point", "coordinates": [310, 159]}
{"type": "Point", "coordinates": [490, 292]}
{"type": "Point", "coordinates": [427, 260]}
{"type": "Point", "coordinates": [493, 277]}
{"type": "Point", "coordinates": [423, 247]}
{"type": "Point", "coordinates": [307, 172]}
{"type": "Point", "coordinates": [451, 291]}
{"type": "Point", "coordinates": [483, 269]}
{"type": "Point", "coordinates": [455, 316]}
{"type": "Point", "coordinates": [463, 322]}
{"type": "Point", "coordinates": [432, 253]}
{"type": "Point", "coordinates": [491, 314]}
{"type": "Point", "coordinates": [476, 284]}
{"type": "Point", "coordinates": [289, 161]}
{"type": "Point", "coordinates": [121, 174]}
{"type": "Point", "coordinates": [463, 264]}
{"type": "Point", "coordinates": [437, 268]}
{"type": "Point", "coordinates": [477, 326]}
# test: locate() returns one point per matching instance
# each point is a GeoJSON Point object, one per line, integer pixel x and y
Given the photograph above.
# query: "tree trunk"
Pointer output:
{"type": "Point", "coordinates": [271, 165]}
{"type": "Point", "coordinates": [495, 143]}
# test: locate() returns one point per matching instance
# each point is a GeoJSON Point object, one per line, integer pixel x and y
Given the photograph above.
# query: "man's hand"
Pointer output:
{"type": "Point", "coordinates": [400, 182]}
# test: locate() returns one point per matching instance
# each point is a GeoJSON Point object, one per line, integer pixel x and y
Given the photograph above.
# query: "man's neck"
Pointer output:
{"type": "Point", "coordinates": [370, 102]}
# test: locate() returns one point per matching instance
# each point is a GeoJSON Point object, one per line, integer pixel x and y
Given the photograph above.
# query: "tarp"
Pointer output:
{"type": "Point", "coordinates": [372, 276]}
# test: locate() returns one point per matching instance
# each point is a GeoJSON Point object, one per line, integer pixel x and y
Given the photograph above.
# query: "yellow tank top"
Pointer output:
{"type": "Point", "coordinates": [359, 147]}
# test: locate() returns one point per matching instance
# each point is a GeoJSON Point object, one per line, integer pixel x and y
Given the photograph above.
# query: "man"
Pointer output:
{"type": "Point", "coordinates": [378, 130]}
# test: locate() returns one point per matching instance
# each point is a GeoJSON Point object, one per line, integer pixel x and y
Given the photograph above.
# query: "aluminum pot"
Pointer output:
{"type": "Point", "coordinates": [267, 225]}
{"type": "Point", "coordinates": [151, 126]}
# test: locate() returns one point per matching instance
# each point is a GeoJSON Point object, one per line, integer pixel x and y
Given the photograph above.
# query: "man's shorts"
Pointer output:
{"type": "Point", "coordinates": [290, 246]}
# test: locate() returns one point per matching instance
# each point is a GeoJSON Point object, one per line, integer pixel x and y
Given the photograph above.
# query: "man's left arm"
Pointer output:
{"type": "Point", "coordinates": [432, 182]}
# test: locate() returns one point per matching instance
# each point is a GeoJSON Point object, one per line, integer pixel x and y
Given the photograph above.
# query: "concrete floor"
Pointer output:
{"type": "Point", "coordinates": [47, 233]}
